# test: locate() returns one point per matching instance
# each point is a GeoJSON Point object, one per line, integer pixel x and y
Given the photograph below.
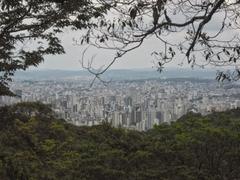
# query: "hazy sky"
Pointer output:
{"type": "Point", "coordinates": [140, 58]}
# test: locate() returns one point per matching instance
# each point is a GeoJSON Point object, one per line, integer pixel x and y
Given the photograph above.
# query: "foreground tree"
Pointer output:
{"type": "Point", "coordinates": [199, 32]}
{"type": "Point", "coordinates": [204, 31]}
{"type": "Point", "coordinates": [29, 29]}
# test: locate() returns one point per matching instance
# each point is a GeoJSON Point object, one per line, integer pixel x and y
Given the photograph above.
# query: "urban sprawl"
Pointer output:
{"type": "Point", "coordinates": [133, 104]}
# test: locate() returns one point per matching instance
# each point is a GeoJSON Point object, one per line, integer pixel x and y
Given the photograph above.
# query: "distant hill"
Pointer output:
{"type": "Point", "coordinates": [36, 145]}
{"type": "Point", "coordinates": [116, 74]}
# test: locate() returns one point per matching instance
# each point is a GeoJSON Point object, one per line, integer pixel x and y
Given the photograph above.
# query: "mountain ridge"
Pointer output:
{"type": "Point", "coordinates": [116, 74]}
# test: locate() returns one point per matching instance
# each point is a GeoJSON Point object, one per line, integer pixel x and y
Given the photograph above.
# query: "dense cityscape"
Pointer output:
{"type": "Point", "coordinates": [138, 104]}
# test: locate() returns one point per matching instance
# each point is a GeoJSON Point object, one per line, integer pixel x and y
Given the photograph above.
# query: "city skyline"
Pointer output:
{"type": "Point", "coordinates": [133, 104]}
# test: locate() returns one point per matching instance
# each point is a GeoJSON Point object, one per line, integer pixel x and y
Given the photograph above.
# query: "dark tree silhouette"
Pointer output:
{"type": "Point", "coordinates": [122, 26]}
{"type": "Point", "coordinates": [208, 29]}
{"type": "Point", "coordinates": [29, 30]}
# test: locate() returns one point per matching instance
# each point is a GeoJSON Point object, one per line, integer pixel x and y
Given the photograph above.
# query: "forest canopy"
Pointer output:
{"type": "Point", "coordinates": [36, 145]}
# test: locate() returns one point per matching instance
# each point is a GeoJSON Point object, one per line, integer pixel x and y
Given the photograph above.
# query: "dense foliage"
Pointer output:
{"type": "Point", "coordinates": [30, 30]}
{"type": "Point", "coordinates": [35, 145]}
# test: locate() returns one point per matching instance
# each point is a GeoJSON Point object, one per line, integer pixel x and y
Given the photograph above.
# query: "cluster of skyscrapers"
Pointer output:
{"type": "Point", "coordinates": [131, 104]}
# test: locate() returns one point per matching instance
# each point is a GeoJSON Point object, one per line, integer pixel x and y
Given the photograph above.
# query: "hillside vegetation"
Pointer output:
{"type": "Point", "coordinates": [35, 145]}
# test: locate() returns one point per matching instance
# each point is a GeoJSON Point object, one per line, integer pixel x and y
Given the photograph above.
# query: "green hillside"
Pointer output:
{"type": "Point", "coordinates": [35, 145]}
